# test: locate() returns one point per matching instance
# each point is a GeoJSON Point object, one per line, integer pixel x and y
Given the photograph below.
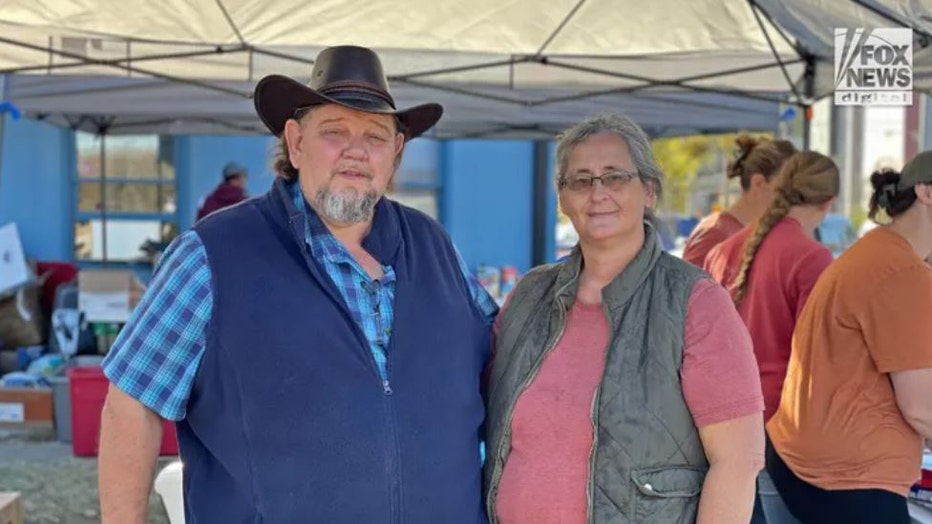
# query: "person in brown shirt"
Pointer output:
{"type": "Point", "coordinates": [847, 439]}
{"type": "Point", "coordinates": [757, 161]}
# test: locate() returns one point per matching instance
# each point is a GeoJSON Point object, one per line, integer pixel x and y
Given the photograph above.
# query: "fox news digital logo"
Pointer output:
{"type": "Point", "coordinates": [874, 67]}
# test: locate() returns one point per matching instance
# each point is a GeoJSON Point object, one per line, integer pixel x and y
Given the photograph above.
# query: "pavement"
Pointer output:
{"type": "Point", "coordinates": [56, 486]}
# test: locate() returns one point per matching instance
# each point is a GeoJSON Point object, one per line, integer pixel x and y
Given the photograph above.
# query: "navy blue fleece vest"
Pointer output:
{"type": "Point", "coordinates": [289, 421]}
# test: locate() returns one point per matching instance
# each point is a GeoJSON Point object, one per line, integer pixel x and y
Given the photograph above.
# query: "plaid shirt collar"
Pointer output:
{"type": "Point", "coordinates": [319, 239]}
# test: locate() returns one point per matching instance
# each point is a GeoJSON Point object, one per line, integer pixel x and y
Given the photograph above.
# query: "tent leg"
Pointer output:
{"type": "Point", "coordinates": [541, 180]}
{"type": "Point", "coordinates": [847, 144]}
{"type": "Point", "coordinates": [807, 125]}
{"type": "Point", "coordinates": [3, 88]}
{"type": "Point", "coordinates": [809, 93]}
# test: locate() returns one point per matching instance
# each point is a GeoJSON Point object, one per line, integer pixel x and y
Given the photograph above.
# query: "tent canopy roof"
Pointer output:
{"type": "Point", "coordinates": [513, 68]}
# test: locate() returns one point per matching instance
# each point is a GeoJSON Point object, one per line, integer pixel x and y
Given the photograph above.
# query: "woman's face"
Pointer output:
{"type": "Point", "coordinates": [613, 208]}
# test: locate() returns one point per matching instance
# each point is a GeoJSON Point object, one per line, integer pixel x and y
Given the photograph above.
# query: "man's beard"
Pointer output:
{"type": "Point", "coordinates": [348, 206]}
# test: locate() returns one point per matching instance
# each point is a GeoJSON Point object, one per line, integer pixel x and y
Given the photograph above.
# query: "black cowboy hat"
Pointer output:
{"type": "Point", "coordinates": [349, 76]}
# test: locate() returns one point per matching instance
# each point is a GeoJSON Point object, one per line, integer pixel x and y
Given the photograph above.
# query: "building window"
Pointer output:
{"type": "Point", "coordinates": [125, 197]}
{"type": "Point", "coordinates": [416, 182]}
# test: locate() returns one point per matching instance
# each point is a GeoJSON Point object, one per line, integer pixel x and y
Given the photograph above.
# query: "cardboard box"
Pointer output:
{"type": "Point", "coordinates": [26, 408]}
{"type": "Point", "coordinates": [11, 508]}
{"type": "Point", "coordinates": [108, 295]}
{"type": "Point", "coordinates": [14, 271]}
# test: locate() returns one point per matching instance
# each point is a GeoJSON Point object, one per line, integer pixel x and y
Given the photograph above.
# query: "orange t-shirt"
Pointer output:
{"type": "Point", "coordinates": [838, 425]}
{"type": "Point", "coordinates": [713, 230]}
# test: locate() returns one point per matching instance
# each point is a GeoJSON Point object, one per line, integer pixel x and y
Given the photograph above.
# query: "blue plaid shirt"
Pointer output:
{"type": "Point", "coordinates": [156, 355]}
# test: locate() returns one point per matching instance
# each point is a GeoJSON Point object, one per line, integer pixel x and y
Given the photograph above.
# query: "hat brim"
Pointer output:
{"type": "Point", "coordinates": [277, 98]}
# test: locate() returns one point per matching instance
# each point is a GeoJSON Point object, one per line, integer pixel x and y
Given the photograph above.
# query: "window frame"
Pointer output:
{"type": "Point", "coordinates": [104, 215]}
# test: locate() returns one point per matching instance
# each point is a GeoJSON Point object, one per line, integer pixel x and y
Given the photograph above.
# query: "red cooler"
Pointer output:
{"type": "Point", "coordinates": [88, 392]}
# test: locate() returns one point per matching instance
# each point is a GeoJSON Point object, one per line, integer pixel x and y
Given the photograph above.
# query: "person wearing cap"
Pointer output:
{"type": "Point", "coordinates": [847, 437]}
{"type": "Point", "coordinates": [229, 192]}
{"type": "Point", "coordinates": [320, 347]}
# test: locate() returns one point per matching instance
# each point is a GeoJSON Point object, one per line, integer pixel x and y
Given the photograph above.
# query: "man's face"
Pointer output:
{"type": "Point", "coordinates": [238, 181]}
{"type": "Point", "coordinates": [345, 160]}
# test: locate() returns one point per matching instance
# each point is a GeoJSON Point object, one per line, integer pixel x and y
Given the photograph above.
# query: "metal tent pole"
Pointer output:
{"type": "Point", "coordinates": [3, 80]}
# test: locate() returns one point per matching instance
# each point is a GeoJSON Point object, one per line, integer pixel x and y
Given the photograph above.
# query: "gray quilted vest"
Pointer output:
{"type": "Point", "coordinates": [647, 463]}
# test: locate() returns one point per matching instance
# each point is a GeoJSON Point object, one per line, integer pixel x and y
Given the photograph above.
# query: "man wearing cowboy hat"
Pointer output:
{"type": "Point", "coordinates": [320, 347]}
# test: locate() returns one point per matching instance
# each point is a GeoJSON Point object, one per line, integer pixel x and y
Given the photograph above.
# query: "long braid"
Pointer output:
{"type": "Point", "coordinates": [778, 209]}
{"type": "Point", "coordinates": [807, 178]}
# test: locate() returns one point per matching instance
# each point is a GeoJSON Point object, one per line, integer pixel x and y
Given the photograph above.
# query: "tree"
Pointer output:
{"type": "Point", "coordinates": [681, 158]}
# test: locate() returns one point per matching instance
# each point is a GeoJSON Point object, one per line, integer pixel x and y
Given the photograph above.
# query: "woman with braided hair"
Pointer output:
{"type": "Point", "coordinates": [770, 267]}
{"type": "Point", "coordinates": [847, 436]}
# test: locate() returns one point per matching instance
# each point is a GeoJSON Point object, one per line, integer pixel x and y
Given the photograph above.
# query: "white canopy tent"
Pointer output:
{"type": "Point", "coordinates": [500, 67]}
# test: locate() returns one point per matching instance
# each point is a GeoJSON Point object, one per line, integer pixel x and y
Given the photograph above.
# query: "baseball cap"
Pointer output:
{"type": "Point", "coordinates": [232, 169]}
{"type": "Point", "coordinates": [917, 171]}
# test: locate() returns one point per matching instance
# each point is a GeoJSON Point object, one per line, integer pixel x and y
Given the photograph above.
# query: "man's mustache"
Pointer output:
{"type": "Point", "coordinates": [352, 170]}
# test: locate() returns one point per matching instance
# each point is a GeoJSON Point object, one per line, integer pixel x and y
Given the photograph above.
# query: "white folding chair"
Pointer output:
{"type": "Point", "coordinates": [168, 484]}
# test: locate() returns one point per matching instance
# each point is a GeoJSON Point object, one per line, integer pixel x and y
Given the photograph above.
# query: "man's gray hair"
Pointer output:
{"type": "Point", "coordinates": [631, 133]}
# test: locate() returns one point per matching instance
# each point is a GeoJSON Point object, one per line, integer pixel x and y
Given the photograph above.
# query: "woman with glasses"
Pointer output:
{"type": "Point", "coordinates": [623, 386]}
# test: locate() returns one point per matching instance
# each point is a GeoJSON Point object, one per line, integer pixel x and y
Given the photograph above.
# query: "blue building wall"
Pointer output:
{"type": "Point", "coordinates": [484, 187]}
{"type": "Point", "coordinates": [37, 186]}
{"type": "Point", "coordinates": [551, 222]}
{"type": "Point", "coordinates": [486, 200]}
{"type": "Point", "coordinates": [199, 162]}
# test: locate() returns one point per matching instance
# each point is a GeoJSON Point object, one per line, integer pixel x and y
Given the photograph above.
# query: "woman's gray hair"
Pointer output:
{"type": "Point", "coordinates": [637, 140]}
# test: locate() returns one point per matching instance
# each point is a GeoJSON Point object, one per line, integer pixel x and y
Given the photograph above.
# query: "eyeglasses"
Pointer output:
{"type": "Point", "coordinates": [613, 181]}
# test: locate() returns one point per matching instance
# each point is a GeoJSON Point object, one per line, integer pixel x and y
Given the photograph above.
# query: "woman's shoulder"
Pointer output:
{"type": "Point", "coordinates": [535, 283]}
{"type": "Point", "coordinates": [541, 273]}
{"type": "Point", "coordinates": [677, 267]}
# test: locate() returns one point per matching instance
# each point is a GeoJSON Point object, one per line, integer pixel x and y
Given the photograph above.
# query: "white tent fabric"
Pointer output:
{"type": "Point", "coordinates": [812, 23]}
{"type": "Point", "coordinates": [500, 67]}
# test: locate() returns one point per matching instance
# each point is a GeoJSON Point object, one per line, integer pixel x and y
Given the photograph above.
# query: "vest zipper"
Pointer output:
{"type": "Point", "coordinates": [394, 451]}
{"type": "Point", "coordinates": [394, 459]}
{"type": "Point", "coordinates": [594, 417]}
{"type": "Point", "coordinates": [506, 437]}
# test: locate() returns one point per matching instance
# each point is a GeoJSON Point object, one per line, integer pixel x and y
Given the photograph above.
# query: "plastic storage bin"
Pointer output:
{"type": "Point", "coordinates": [61, 394]}
{"type": "Point", "coordinates": [61, 400]}
{"type": "Point", "coordinates": [88, 391]}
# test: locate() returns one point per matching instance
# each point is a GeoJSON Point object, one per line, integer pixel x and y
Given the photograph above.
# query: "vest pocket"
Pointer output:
{"type": "Point", "coordinates": [669, 481]}
{"type": "Point", "coordinates": [667, 494]}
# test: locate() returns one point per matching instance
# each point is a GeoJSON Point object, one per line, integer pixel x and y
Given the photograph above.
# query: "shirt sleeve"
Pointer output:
{"type": "Point", "coordinates": [716, 264]}
{"type": "Point", "coordinates": [720, 377]}
{"type": "Point", "coordinates": [895, 321]}
{"type": "Point", "coordinates": [699, 245]}
{"type": "Point", "coordinates": [484, 301]}
{"type": "Point", "coordinates": [156, 355]}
